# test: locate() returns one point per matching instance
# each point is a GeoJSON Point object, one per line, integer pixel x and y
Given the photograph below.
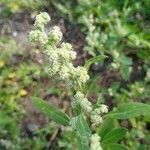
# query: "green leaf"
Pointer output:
{"type": "Point", "coordinates": [83, 132]}
{"type": "Point", "coordinates": [114, 146]}
{"type": "Point", "coordinates": [52, 112]}
{"type": "Point", "coordinates": [143, 147]}
{"type": "Point", "coordinates": [125, 72]}
{"type": "Point", "coordinates": [114, 135]}
{"type": "Point", "coordinates": [130, 110]}
{"type": "Point", "coordinates": [144, 54]}
{"type": "Point", "coordinates": [105, 127]}
{"type": "Point", "coordinates": [61, 7]}
{"type": "Point", "coordinates": [147, 139]}
{"type": "Point", "coordinates": [125, 60]}
{"type": "Point", "coordinates": [93, 60]}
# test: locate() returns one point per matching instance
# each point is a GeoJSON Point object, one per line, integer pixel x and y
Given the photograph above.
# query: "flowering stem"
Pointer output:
{"type": "Point", "coordinates": [60, 56]}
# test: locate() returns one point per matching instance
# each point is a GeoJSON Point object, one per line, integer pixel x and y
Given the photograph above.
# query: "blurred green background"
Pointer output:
{"type": "Point", "coordinates": [118, 29]}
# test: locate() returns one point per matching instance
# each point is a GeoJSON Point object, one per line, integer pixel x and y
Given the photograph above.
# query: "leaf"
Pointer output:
{"type": "Point", "coordinates": [92, 86]}
{"type": "Point", "coordinates": [93, 60]}
{"type": "Point", "coordinates": [114, 146]}
{"type": "Point", "coordinates": [83, 132]}
{"type": "Point", "coordinates": [105, 127]}
{"type": "Point", "coordinates": [147, 139]}
{"type": "Point", "coordinates": [2, 63]}
{"type": "Point", "coordinates": [61, 7]}
{"type": "Point", "coordinates": [52, 112]}
{"type": "Point", "coordinates": [130, 110]}
{"type": "Point", "coordinates": [114, 135]}
{"type": "Point", "coordinates": [143, 147]}
{"type": "Point", "coordinates": [125, 60]}
{"type": "Point", "coordinates": [125, 72]}
{"type": "Point", "coordinates": [144, 54]}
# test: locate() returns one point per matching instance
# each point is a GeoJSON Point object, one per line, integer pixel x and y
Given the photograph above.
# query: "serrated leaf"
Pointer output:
{"type": "Point", "coordinates": [130, 110]}
{"type": "Point", "coordinates": [114, 146]}
{"type": "Point", "coordinates": [93, 60]}
{"type": "Point", "coordinates": [114, 136]}
{"type": "Point", "coordinates": [52, 112]}
{"type": "Point", "coordinates": [83, 132]}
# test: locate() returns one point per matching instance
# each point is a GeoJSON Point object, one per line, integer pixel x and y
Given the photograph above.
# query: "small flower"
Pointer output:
{"type": "Point", "coordinates": [67, 46]}
{"type": "Point", "coordinates": [55, 35]}
{"type": "Point", "coordinates": [79, 96]}
{"type": "Point", "coordinates": [38, 36]}
{"type": "Point", "coordinates": [96, 119]}
{"type": "Point", "coordinates": [95, 142]}
{"type": "Point", "coordinates": [83, 101]}
{"type": "Point", "coordinates": [66, 52]}
{"type": "Point", "coordinates": [95, 116]}
{"type": "Point", "coordinates": [53, 68]}
{"type": "Point", "coordinates": [53, 56]}
{"type": "Point", "coordinates": [41, 20]}
{"type": "Point", "coordinates": [104, 108]}
{"type": "Point", "coordinates": [64, 72]}
{"type": "Point", "coordinates": [81, 74]}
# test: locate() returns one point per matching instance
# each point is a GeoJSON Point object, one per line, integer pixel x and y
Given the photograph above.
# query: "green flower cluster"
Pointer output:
{"type": "Point", "coordinates": [95, 142]}
{"type": "Point", "coordinates": [95, 113]}
{"type": "Point", "coordinates": [38, 34]}
{"type": "Point", "coordinates": [83, 101]}
{"type": "Point", "coordinates": [60, 54]}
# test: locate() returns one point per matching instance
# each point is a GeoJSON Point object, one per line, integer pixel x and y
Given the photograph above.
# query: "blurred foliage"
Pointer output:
{"type": "Point", "coordinates": [17, 73]}
{"type": "Point", "coordinates": [13, 6]}
{"type": "Point", "coordinates": [118, 29]}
